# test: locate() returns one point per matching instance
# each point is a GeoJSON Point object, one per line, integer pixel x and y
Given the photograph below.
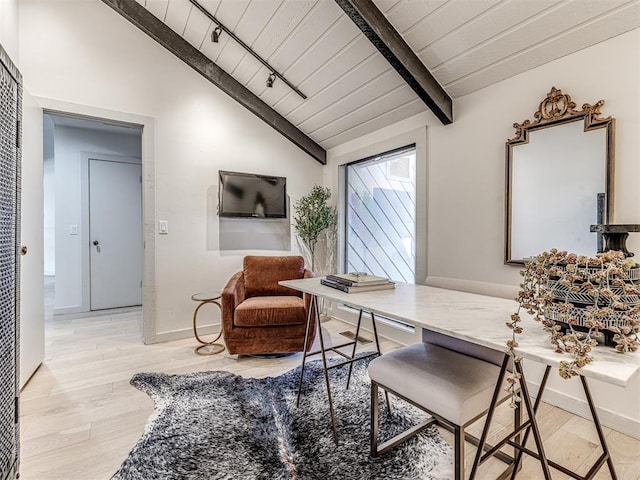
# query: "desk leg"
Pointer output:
{"type": "Point", "coordinates": [326, 374]}
{"type": "Point", "coordinates": [355, 344]}
{"type": "Point", "coordinates": [375, 333]}
{"type": "Point", "coordinates": [487, 422]}
{"type": "Point", "coordinates": [518, 456]}
{"type": "Point", "coordinates": [529, 425]}
{"type": "Point", "coordinates": [306, 347]}
{"type": "Point", "coordinates": [596, 422]}
{"type": "Point", "coordinates": [316, 312]}
{"type": "Point", "coordinates": [375, 336]}
{"type": "Point", "coordinates": [532, 419]}
{"type": "Point", "coordinates": [606, 455]}
{"type": "Point", "coordinates": [313, 310]}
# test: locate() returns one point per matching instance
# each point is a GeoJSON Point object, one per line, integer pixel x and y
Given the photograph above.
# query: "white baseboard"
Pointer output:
{"type": "Point", "coordinates": [68, 310]}
{"type": "Point", "coordinates": [186, 333]}
{"type": "Point", "coordinates": [579, 406]}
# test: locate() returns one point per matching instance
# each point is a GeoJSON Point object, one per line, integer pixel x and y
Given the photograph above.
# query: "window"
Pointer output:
{"type": "Point", "coordinates": [380, 229]}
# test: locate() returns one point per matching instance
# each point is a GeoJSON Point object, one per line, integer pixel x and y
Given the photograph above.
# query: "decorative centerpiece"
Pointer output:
{"type": "Point", "coordinates": [579, 299]}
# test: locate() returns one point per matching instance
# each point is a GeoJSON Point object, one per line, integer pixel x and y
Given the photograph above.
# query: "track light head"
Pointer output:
{"type": "Point", "coordinates": [215, 35]}
{"type": "Point", "coordinates": [270, 79]}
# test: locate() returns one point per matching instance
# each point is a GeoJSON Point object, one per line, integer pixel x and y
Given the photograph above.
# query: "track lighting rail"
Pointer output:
{"type": "Point", "coordinates": [273, 71]}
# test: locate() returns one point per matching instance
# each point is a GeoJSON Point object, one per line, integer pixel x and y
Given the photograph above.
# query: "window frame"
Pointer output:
{"type": "Point", "coordinates": [344, 204]}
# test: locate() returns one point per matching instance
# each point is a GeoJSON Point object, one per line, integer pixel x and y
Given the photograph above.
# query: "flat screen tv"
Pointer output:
{"type": "Point", "coordinates": [252, 195]}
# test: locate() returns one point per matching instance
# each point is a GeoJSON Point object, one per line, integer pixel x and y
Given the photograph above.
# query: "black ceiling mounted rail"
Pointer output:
{"type": "Point", "coordinates": [246, 47]}
{"type": "Point", "coordinates": [146, 21]}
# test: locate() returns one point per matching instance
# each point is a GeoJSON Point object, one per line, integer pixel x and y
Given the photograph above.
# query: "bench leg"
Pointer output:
{"type": "Point", "coordinates": [458, 456]}
{"type": "Point", "coordinates": [379, 448]}
{"type": "Point", "coordinates": [374, 419]}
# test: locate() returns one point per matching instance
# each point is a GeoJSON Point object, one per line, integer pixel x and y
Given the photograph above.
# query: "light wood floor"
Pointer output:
{"type": "Point", "coordinates": [80, 417]}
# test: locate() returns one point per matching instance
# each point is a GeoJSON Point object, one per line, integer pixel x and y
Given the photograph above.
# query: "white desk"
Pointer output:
{"type": "Point", "coordinates": [481, 320]}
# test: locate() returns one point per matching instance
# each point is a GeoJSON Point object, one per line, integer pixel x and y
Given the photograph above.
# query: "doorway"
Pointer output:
{"type": "Point", "coordinates": [93, 193]}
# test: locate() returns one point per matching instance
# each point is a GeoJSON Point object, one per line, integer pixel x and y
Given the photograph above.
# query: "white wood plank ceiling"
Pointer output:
{"type": "Point", "coordinates": [351, 89]}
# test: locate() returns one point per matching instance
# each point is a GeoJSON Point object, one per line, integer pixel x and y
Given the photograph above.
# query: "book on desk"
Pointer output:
{"type": "Point", "coordinates": [353, 283]}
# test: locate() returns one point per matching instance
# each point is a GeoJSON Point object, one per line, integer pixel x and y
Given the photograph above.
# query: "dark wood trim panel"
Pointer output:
{"type": "Point", "coordinates": [161, 33]}
{"type": "Point", "coordinates": [392, 46]}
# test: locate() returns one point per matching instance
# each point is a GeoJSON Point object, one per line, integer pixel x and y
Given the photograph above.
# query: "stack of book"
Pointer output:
{"type": "Point", "coordinates": [357, 282]}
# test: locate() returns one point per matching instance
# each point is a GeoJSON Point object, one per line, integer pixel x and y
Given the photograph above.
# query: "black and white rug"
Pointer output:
{"type": "Point", "coordinates": [217, 425]}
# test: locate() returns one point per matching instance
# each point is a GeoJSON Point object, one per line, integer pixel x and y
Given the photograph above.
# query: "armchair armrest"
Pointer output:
{"type": "Point", "coordinates": [232, 295]}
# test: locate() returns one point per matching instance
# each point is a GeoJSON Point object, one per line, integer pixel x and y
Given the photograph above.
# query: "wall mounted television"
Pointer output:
{"type": "Point", "coordinates": [252, 195]}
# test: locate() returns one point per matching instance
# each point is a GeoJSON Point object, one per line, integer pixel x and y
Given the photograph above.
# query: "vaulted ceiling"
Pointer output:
{"type": "Point", "coordinates": [351, 89]}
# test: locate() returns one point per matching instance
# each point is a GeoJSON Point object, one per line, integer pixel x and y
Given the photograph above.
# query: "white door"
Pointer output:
{"type": "Point", "coordinates": [115, 229]}
{"type": "Point", "coordinates": [31, 236]}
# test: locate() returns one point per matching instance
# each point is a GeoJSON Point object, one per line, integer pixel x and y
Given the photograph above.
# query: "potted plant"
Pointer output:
{"type": "Point", "coordinates": [313, 216]}
{"type": "Point", "coordinates": [579, 299]}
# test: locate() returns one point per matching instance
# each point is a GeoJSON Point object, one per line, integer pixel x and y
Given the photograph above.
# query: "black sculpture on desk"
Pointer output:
{"type": "Point", "coordinates": [615, 236]}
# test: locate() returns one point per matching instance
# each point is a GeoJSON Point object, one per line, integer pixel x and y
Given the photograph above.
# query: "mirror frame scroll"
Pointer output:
{"type": "Point", "coordinates": [558, 109]}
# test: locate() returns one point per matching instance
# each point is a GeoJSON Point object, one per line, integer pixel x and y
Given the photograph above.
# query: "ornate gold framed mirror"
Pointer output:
{"type": "Point", "coordinates": [559, 179]}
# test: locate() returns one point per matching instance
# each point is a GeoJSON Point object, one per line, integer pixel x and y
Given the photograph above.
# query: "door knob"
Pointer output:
{"type": "Point", "coordinates": [96, 243]}
{"type": "Point", "coordinates": [23, 250]}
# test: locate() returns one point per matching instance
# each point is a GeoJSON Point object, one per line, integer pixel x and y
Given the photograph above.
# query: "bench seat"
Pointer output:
{"type": "Point", "coordinates": [452, 380]}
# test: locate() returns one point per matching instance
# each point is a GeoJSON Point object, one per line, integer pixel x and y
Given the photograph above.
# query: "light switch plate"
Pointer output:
{"type": "Point", "coordinates": [163, 227]}
{"type": "Point", "coordinates": [73, 229]}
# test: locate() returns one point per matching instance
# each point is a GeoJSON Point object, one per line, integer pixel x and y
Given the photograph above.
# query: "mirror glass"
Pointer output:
{"type": "Point", "coordinates": [559, 180]}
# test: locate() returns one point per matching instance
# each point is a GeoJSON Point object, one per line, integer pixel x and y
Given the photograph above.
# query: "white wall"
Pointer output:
{"type": "Point", "coordinates": [70, 144]}
{"type": "Point", "coordinates": [197, 131]}
{"type": "Point", "coordinates": [466, 159]}
{"type": "Point", "coordinates": [9, 28]}
{"type": "Point", "coordinates": [466, 186]}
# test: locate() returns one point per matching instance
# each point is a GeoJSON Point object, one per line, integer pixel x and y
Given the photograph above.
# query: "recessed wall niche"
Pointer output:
{"type": "Point", "coordinates": [230, 234]}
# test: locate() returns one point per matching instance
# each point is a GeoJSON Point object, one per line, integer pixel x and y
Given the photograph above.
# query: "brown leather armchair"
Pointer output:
{"type": "Point", "coordinates": [260, 316]}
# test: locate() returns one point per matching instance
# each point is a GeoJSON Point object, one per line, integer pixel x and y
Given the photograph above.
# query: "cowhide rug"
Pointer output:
{"type": "Point", "coordinates": [217, 425]}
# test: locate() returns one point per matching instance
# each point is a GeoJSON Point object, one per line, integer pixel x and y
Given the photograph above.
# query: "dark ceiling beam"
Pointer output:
{"type": "Point", "coordinates": [161, 33]}
{"type": "Point", "coordinates": [392, 46]}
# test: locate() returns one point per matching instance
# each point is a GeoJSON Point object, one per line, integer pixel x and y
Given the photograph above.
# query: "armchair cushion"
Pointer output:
{"type": "Point", "coordinates": [270, 311]}
{"type": "Point", "coordinates": [262, 274]}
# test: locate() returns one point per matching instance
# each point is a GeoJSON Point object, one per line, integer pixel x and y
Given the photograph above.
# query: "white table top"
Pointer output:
{"type": "Point", "coordinates": [476, 318]}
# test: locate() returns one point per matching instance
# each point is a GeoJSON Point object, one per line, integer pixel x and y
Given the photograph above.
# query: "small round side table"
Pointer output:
{"type": "Point", "coordinates": [207, 348]}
